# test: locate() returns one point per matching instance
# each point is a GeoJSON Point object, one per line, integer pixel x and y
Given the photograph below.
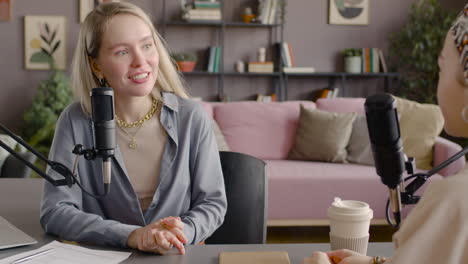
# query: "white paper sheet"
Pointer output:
{"type": "Point", "coordinates": [70, 254]}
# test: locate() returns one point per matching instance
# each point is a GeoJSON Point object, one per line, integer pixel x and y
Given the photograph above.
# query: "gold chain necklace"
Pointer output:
{"type": "Point", "coordinates": [132, 144]}
{"type": "Point", "coordinates": [124, 125]}
{"type": "Point", "coordinates": [150, 114]}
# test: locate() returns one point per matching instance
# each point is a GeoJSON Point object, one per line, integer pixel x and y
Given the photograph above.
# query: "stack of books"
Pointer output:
{"type": "Point", "coordinates": [284, 51]}
{"type": "Point", "coordinates": [372, 59]}
{"type": "Point", "coordinates": [268, 11]}
{"type": "Point", "coordinates": [205, 11]}
{"type": "Point", "coordinates": [262, 67]}
{"type": "Point", "coordinates": [214, 57]}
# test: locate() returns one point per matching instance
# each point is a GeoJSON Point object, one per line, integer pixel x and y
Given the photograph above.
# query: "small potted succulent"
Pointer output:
{"type": "Point", "coordinates": [185, 60]}
{"type": "Point", "coordinates": [352, 60]}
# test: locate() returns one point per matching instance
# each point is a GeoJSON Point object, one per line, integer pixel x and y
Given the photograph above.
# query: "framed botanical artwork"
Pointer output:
{"type": "Point", "coordinates": [349, 12]}
{"type": "Point", "coordinates": [87, 5]}
{"type": "Point", "coordinates": [5, 10]}
{"type": "Point", "coordinates": [44, 40]}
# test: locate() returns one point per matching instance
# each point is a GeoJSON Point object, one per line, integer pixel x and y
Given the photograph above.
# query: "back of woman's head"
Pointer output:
{"type": "Point", "coordinates": [89, 45]}
{"type": "Point", "coordinates": [460, 34]}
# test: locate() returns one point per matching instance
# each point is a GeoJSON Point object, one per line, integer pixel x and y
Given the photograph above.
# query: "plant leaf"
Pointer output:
{"type": "Point", "coordinates": [53, 36]}
{"type": "Point", "coordinates": [47, 28]}
{"type": "Point", "coordinates": [45, 51]}
{"type": "Point", "coordinates": [45, 40]}
{"type": "Point", "coordinates": [55, 47]}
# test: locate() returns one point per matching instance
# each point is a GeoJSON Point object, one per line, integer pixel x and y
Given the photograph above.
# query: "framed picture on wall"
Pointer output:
{"type": "Point", "coordinates": [5, 10]}
{"type": "Point", "coordinates": [87, 5]}
{"type": "Point", "coordinates": [348, 12]}
{"type": "Point", "coordinates": [44, 39]}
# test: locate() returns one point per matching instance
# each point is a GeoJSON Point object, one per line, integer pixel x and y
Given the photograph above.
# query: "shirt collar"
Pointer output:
{"type": "Point", "coordinates": [170, 101]}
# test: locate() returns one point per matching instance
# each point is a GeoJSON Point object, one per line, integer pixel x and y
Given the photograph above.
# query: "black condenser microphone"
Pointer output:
{"type": "Point", "coordinates": [102, 105]}
{"type": "Point", "coordinates": [387, 148]}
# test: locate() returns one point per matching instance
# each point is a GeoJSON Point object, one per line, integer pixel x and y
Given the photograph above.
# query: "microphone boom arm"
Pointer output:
{"type": "Point", "coordinates": [58, 167]}
{"type": "Point", "coordinates": [70, 178]}
{"type": "Point", "coordinates": [408, 197]}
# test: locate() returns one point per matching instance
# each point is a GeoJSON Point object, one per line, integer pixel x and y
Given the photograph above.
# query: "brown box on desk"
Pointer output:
{"type": "Point", "coordinates": [254, 257]}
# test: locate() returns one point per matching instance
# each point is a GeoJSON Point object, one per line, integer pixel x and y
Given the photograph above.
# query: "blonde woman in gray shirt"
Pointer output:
{"type": "Point", "coordinates": [436, 230]}
{"type": "Point", "coordinates": [167, 186]}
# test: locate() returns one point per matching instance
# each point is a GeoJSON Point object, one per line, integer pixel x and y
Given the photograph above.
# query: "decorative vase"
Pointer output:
{"type": "Point", "coordinates": [353, 64]}
{"type": "Point", "coordinates": [186, 66]}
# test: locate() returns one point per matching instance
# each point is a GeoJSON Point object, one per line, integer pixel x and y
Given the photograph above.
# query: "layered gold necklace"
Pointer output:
{"type": "Point", "coordinates": [125, 127]}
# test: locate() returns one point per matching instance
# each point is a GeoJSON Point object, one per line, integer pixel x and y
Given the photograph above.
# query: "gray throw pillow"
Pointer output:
{"type": "Point", "coordinates": [222, 144]}
{"type": "Point", "coordinates": [322, 135]}
{"type": "Point", "coordinates": [359, 147]}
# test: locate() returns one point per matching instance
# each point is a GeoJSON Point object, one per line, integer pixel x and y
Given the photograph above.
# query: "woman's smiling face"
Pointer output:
{"type": "Point", "coordinates": [128, 58]}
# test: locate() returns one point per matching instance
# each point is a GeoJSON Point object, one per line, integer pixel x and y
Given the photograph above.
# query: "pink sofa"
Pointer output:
{"type": "Point", "coordinates": [299, 192]}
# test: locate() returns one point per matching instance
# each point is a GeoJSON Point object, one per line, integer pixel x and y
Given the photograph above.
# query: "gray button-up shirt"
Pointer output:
{"type": "Point", "coordinates": [191, 183]}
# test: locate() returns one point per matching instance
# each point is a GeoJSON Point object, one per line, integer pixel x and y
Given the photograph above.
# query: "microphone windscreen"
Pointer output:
{"type": "Point", "coordinates": [102, 104]}
{"type": "Point", "coordinates": [384, 135]}
{"type": "Point", "coordinates": [382, 120]}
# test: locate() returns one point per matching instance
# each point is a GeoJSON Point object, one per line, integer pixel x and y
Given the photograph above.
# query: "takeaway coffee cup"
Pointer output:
{"type": "Point", "coordinates": [349, 225]}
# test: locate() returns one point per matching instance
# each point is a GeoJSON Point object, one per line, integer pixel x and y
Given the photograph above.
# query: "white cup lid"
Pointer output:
{"type": "Point", "coordinates": [349, 210]}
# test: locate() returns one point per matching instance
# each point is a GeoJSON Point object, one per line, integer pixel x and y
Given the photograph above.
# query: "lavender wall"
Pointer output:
{"type": "Point", "coordinates": [315, 44]}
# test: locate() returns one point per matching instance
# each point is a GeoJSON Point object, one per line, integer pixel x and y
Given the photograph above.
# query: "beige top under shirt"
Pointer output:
{"type": "Point", "coordinates": [436, 230]}
{"type": "Point", "coordinates": [143, 163]}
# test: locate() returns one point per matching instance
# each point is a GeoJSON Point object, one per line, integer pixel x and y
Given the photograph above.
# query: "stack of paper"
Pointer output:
{"type": "Point", "coordinates": [70, 254]}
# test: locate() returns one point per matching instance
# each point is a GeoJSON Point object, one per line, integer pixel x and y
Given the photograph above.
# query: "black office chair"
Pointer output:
{"type": "Point", "coordinates": [14, 168]}
{"type": "Point", "coordinates": [246, 190]}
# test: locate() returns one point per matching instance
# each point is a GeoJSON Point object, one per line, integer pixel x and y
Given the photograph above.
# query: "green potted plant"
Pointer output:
{"type": "Point", "coordinates": [186, 61]}
{"type": "Point", "coordinates": [352, 60]}
{"type": "Point", "coordinates": [53, 95]}
{"type": "Point", "coordinates": [414, 50]}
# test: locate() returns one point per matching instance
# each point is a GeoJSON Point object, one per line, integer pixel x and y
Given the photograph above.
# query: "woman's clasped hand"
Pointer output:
{"type": "Point", "coordinates": [160, 236]}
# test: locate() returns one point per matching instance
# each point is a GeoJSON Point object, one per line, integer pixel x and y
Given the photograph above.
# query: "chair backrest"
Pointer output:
{"type": "Point", "coordinates": [15, 168]}
{"type": "Point", "coordinates": [246, 190]}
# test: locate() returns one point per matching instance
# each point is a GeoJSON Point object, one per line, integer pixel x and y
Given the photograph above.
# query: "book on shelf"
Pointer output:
{"type": "Point", "coordinates": [375, 60]}
{"type": "Point", "coordinates": [276, 56]}
{"type": "Point", "coordinates": [217, 59]}
{"type": "Point", "coordinates": [206, 4]}
{"type": "Point", "coordinates": [286, 55]}
{"type": "Point", "coordinates": [283, 55]}
{"type": "Point", "coordinates": [213, 59]}
{"type": "Point", "coordinates": [371, 60]}
{"type": "Point", "coordinates": [268, 11]}
{"type": "Point", "coordinates": [260, 67]}
{"type": "Point", "coordinates": [382, 61]}
{"type": "Point", "coordinates": [298, 69]}
{"type": "Point", "coordinates": [326, 93]}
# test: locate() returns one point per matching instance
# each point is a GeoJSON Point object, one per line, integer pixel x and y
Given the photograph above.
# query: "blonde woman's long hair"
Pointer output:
{"type": "Point", "coordinates": [89, 43]}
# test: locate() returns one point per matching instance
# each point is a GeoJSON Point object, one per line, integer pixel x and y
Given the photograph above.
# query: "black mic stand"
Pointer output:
{"type": "Point", "coordinates": [407, 196]}
{"type": "Point", "coordinates": [69, 176]}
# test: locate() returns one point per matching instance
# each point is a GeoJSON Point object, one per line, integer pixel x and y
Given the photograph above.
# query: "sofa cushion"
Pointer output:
{"type": "Point", "coordinates": [322, 135]}
{"type": "Point", "coordinates": [220, 140]}
{"type": "Point", "coordinates": [359, 147]}
{"type": "Point", "coordinates": [305, 190]}
{"type": "Point", "coordinates": [420, 124]}
{"type": "Point", "coordinates": [263, 130]}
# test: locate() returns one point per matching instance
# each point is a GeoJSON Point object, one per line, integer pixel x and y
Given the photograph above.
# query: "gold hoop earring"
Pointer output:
{"type": "Point", "coordinates": [463, 114]}
{"type": "Point", "coordinates": [102, 82]}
